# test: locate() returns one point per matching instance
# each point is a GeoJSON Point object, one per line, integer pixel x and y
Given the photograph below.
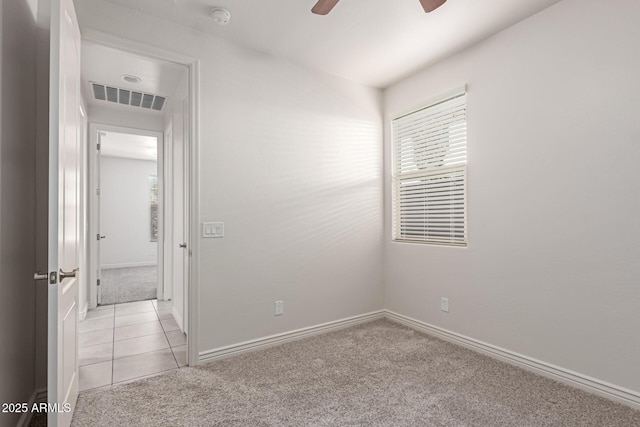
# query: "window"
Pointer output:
{"type": "Point", "coordinates": [153, 193]}
{"type": "Point", "coordinates": [429, 173]}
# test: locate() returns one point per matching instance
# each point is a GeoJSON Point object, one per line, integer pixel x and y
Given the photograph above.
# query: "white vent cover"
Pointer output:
{"type": "Point", "coordinates": [128, 97]}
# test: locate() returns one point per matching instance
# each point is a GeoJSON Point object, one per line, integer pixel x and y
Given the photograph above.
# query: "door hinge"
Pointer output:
{"type": "Point", "coordinates": [98, 146]}
{"type": "Point", "coordinates": [97, 191]}
{"type": "Point", "coordinates": [98, 282]}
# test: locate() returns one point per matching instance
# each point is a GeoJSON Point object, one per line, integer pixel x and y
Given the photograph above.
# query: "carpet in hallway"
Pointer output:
{"type": "Point", "coordinates": [120, 285]}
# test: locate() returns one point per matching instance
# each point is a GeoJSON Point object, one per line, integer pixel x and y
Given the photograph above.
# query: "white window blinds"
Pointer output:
{"type": "Point", "coordinates": [429, 177]}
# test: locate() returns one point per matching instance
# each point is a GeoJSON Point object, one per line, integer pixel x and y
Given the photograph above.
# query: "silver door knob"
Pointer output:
{"type": "Point", "coordinates": [183, 245]}
{"type": "Point", "coordinates": [65, 275]}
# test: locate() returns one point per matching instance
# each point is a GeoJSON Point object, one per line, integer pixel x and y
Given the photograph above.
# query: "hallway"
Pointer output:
{"type": "Point", "coordinates": [122, 342]}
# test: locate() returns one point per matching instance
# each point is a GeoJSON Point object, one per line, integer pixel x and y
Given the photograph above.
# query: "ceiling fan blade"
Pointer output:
{"type": "Point", "coordinates": [431, 5]}
{"type": "Point", "coordinates": [324, 6]}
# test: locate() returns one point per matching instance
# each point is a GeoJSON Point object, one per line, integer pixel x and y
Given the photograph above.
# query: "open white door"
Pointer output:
{"type": "Point", "coordinates": [64, 218]}
{"type": "Point", "coordinates": [180, 250]}
{"type": "Point", "coordinates": [179, 205]}
{"type": "Point", "coordinates": [185, 214]}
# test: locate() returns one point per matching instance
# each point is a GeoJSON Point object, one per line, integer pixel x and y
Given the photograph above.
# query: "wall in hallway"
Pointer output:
{"type": "Point", "coordinates": [130, 119]}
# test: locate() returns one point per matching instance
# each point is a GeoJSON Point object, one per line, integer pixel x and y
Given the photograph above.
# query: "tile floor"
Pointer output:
{"type": "Point", "coordinates": [122, 342]}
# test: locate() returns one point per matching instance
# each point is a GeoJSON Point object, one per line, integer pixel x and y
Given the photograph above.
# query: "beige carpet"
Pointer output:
{"type": "Point", "coordinates": [120, 285]}
{"type": "Point", "coordinates": [377, 374]}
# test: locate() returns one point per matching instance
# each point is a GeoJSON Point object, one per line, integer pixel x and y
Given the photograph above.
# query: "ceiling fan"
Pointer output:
{"type": "Point", "coordinates": [324, 6]}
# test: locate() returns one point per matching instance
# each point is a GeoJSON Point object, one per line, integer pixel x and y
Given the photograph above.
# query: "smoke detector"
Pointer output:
{"type": "Point", "coordinates": [220, 16]}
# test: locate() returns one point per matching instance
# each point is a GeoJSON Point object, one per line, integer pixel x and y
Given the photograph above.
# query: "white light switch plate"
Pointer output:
{"type": "Point", "coordinates": [212, 229]}
{"type": "Point", "coordinates": [444, 304]}
{"type": "Point", "coordinates": [279, 308]}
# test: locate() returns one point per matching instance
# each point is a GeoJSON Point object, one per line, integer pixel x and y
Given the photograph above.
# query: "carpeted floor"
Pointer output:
{"type": "Point", "coordinates": [376, 374]}
{"type": "Point", "coordinates": [119, 285]}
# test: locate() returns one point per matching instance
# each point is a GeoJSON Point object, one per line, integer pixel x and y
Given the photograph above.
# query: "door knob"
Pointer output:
{"type": "Point", "coordinates": [64, 274]}
{"type": "Point", "coordinates": [183, 245]}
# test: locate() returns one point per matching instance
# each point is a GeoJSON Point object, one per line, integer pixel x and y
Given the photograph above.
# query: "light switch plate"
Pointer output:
{"type": "Point", "coordinates": [279, 308]}
{"type": "Point", "coordinates": [212, 229]}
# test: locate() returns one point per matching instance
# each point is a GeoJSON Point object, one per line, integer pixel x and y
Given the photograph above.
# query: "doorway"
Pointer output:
{"type": "Point", "coordinates": [140, 162]}
{"type": "Point", "coordinates": [128, 217]}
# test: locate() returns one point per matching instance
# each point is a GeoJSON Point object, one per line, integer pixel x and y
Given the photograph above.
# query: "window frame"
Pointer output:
{"type": "Point", "coordinates": [428, 171]}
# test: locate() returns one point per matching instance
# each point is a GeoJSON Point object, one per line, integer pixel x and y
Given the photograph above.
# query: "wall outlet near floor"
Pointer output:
{"type": "Point", "coordinates": [279, 308]}
{"type": "Point", "coordinates": [444, 304]}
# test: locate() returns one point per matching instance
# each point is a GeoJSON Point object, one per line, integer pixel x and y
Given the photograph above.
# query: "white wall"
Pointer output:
{"type": "Point", "coordinates": [551, 270]}
{"type": "Point", "coordinates": [290, 160]}
{"type": "Point", "coordinates": [135, 120]}
{"type": "Point", "coordinates": [18, 33]}
{"type": "Point", "coordinates": [125, 212]}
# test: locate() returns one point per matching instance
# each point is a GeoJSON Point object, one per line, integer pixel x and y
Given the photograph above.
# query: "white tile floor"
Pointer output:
{"type": "Point", "coordinates": [122, 342]}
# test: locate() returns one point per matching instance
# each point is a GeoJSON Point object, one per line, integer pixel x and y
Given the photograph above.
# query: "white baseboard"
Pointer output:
{"type": "Point", "coordinates": [177, 317]}
{"type": "Point", "coordinates": [273, 340]}
{"type": "Point", "coordinates": [36, 397]}
{"type": "Point", "coordinates": [593, 385]}
{"type": "Point", "coordinates": [129, 265]}
{"type": "Point", "coordinates": [575, 379]}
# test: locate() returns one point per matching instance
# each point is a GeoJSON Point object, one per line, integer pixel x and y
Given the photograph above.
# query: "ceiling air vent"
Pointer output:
{"type": "Point", "coordinates": [128, 97]}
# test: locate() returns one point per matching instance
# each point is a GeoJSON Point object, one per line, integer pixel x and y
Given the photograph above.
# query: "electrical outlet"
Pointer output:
{"type": "Point", "coordinates": [444, 304]}
{"type": "Point", "coordinates": [279, 308]}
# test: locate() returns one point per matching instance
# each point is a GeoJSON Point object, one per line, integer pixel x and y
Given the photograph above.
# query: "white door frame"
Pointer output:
{"type": "Point", "coordinates": [94, 209]}
{"type": "Point", "coordinates": [191, 175]}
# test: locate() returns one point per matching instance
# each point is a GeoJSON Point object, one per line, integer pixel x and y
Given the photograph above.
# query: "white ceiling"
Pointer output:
{"type": "Point", "coordinates": [128, 146]}
{"type": "Point", "coordinates": [375, 42]}
{"type": "Point", "coordinates": [101, 64]}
